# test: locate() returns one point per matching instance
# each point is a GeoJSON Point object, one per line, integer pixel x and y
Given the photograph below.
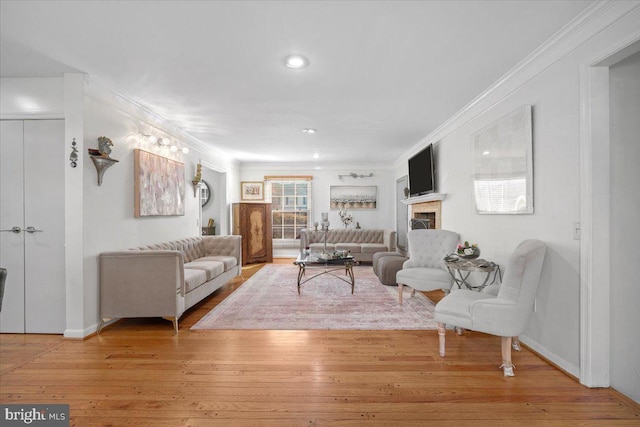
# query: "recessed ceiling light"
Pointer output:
{"type": "Point", "coordinates": [316, 155]}
{"type": "Point", "coordinates": [486, 153]}
{"type": "Point", "coordinates": [309, 130]}
{"type": "Point", "coordinates": [296, 61]}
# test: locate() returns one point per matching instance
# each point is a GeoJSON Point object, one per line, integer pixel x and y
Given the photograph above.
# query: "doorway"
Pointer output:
{"type": "Point", "coordinates": [624, 110]}
{"type": "Point", "coordinates": [605, 353]}
{"type": "Point", "coordinates": [213, 210]}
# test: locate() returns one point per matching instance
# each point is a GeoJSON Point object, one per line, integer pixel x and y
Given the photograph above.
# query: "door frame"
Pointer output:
{"type": "Point", "coordinates": [595, 286]}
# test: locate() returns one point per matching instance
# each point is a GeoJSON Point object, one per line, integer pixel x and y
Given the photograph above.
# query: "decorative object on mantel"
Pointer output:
{"type": "Point", "coordinates": [355, 175]}
{"type": "Point", "coordinates": [196, 179]}
{"type": "Point", "coordinates": [100, 157]}
{"type": "Point", "coordinates": [73, 157]}
{"type": "Point", "coordinates": [353, 196]}
{"type": "Point", "coordinates": [345, 217]}
{"type": "Point", "coordinates": [468, 251]}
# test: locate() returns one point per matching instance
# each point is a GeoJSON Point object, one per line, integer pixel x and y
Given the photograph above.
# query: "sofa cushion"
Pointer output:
{"type": "Point", "coordinates": [372, 248]}
{"type": "Point", "coordinates": [192, 248]}
{"type": "Point", "coordinates": [228, 261]}
{"type": "Point", "coordinates": [417, 278]}
{"type": "Point", "coordinates": [354, 248]}
{"type": "Point", "coordinates": [193, 278]}
{"type": "Point", "coordinates": [211, 268]}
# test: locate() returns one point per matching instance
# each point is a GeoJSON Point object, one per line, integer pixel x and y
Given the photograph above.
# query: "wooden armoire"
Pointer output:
{"type": "Point", "coordinates": [253, 222]}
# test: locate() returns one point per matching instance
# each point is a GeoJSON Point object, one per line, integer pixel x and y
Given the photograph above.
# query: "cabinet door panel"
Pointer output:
{"type": "Point", "coordinates": [45, 297]}
{"type": "Point", "coordinates": [12, 215]}
{"type": "Point", "coordinates": [256, 219]}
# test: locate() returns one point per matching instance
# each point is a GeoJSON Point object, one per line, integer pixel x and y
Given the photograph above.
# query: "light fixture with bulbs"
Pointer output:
{"type": "Point", "coordinates": [309, 131]}
{"type": "Point", "coordinates": [355, 175]}
{"type": "Point", "coordinates": [296, 61]}
{"type": "Point", "coordinates": [164, 142]}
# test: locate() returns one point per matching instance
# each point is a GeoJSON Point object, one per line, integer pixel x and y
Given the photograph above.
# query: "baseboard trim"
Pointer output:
{"type": "Point", "coordinates": [84, 333]}
{"type": "Point", "coordinates": [553, 359]}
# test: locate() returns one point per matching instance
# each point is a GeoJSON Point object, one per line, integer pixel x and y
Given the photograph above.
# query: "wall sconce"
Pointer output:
{"type": "Point", "coordinates": [355, 175]}
{"type": "Point", "coordinates": [197, 179]}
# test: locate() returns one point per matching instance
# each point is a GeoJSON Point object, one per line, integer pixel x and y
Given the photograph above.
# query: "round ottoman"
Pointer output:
{"type": "Point", "coordinates": [386, 265]}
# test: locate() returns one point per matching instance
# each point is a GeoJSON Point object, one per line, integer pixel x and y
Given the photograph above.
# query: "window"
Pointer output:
{"type": "Point", "coordinates": [290, 205]}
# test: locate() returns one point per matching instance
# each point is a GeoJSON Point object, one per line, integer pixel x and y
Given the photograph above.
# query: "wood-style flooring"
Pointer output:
{"type": "Point", "coordinates": [138, 373]}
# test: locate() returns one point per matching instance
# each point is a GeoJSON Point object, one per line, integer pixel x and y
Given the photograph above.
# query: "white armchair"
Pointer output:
{"type": "Point", "coordinates": [504, 314]}
{"type": "Point", "coordinates": [425, 269]}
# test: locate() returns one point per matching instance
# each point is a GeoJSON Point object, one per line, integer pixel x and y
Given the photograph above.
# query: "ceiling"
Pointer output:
{"type": "Point", "coordinates": [382, 74]}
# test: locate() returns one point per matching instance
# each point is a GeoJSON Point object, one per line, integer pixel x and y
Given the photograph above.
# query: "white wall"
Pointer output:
{"type": "Point", "coordinates": [23, 98]}
{"type": "Point", "coordinates": [550, 83]}
{"type": "Point", "coordinates": [625, 229]}
{"type": "Point", "coordinates": [109, 222]}
{"type": "Point", "coordinates": [381, 217]}
{"type": "Point", "coordinates": [101, 218]}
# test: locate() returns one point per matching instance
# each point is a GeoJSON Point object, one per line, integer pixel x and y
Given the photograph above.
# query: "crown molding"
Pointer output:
{"type": "Point", "coordinates": [594, 19]}
{"type": "Point", "coordinates": [333, 166]}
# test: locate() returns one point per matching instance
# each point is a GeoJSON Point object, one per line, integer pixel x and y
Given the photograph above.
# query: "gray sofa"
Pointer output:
{"type": "Point", "coordinates": [361, 243]}
{"type": "Point", "coordinates": [165, 279]}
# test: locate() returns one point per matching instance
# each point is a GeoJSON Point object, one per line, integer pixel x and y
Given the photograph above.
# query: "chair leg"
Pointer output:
{"type": "Point", "coordinates": [101, 324]}
{"type": "Point", "coordinates": [173, 320]}
{"type": "Point", "coordinates": [400, 286]}
{"type": "Point", "coordinates": [507, 366]}
{"type": "Point", "coordinates": [515, 344]}
{"type": "Point", "coordinates": [441, 337]}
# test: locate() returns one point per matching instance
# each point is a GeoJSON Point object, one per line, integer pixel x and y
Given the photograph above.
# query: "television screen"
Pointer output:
{"type": "Point", "coordinates": [421, 173]}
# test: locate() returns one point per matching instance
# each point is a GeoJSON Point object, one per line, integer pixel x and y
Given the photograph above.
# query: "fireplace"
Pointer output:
{"type": "Point", "coordinates": [422, 221]}
{"type": "Point", "coordinates": [426, 212]}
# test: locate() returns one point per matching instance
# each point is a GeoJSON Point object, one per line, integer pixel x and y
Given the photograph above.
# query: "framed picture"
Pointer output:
{"type": "Point", "coordinates": [353, 196]}
{"type": "Point", "coordinates": [159, 185]}
{"type": "Point", "coordinates": [503, 165]}
{"type": "Point", "coordinates": [252, 191]}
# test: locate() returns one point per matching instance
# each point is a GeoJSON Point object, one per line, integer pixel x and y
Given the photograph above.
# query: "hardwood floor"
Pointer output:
{"type": "Point", "coordinates": [138, 373]}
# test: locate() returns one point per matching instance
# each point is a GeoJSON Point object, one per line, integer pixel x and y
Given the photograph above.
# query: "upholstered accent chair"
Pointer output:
{"type": "Point", "coordinates": [504, 314]}
{"type": "Point", "coordinates": [425, 269]}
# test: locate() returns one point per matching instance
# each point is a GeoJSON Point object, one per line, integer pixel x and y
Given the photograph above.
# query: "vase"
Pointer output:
{"type": "Point", "coordinates": [470, 254]}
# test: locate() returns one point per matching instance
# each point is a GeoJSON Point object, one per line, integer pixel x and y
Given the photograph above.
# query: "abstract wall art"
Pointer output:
{"type": "Point", "coordinates": [159, 185]}
{"type": "Point", "coordinates": [353, 196]}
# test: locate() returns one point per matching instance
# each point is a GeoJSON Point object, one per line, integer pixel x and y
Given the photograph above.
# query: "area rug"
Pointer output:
{"type": "Point", "coordinates": [270, 300]}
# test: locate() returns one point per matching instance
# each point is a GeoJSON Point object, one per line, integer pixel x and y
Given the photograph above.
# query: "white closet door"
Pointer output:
{"type": "Point", "coordinates": [44, 160]}
{"type": "Point", "coordinates": [32, 198]}
{"type": "Point", "coordinates": [12, 216]}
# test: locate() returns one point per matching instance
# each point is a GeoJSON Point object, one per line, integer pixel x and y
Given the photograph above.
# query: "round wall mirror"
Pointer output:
{"type": "Point", "coordinates": [205, 192]}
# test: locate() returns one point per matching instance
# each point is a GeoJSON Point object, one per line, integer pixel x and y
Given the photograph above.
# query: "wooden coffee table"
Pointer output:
{"type": "Point", "coordinates": [327, 264]}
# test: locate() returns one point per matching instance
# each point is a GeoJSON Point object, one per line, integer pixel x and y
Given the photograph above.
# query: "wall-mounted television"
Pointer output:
{"type": "Point", "coordinates": [422, 173]}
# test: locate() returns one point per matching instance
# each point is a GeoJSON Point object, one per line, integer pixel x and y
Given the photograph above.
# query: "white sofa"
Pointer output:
{"type": "Point", "coordinates": [361, 243]}
{"type": "Point", "coordinates": [165, 279]}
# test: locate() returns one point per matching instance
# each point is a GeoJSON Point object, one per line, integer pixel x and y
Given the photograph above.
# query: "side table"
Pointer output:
{"type": "Point", "coordinates": [461, 269]}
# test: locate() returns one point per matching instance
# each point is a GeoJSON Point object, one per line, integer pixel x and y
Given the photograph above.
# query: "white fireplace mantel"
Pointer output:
{"type": "Point", "coordinates": [431, 197]}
